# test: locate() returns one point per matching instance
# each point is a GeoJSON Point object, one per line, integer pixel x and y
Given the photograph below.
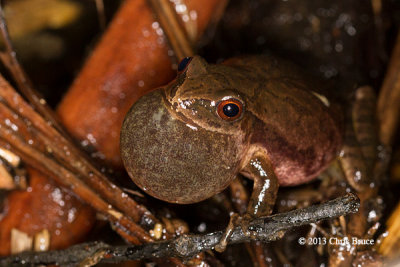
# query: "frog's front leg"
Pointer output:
{"type": "Point", "coordinates": [262, 199]}
{"type": "Point", "coordinates": [265, 186]}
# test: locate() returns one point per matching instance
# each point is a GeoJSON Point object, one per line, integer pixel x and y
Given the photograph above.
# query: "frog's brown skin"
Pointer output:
{"type": "Point", "coordinates": [176, 147]}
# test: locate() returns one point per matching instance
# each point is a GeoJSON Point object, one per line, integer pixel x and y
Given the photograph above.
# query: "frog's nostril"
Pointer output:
{"type": "Point", "coordinates": [184, 63]}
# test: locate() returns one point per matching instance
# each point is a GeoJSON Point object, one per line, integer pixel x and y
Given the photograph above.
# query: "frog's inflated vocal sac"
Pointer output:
{"type": "Point", "coordinates": [254, 116]}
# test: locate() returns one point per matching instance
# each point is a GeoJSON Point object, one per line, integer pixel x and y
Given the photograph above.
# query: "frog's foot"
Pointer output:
{"type": "Point", "coordinates": [235, 221]}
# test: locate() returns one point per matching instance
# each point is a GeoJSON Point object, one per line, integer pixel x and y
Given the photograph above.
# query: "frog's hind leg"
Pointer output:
{"type": "Point", "coordinates": [359, 156]}
{"type": "Point", "coordinates": [359, 150]}
{"type": "Point", "coordinates": [364, 121]}
{"type": "Point", "coordinates": [262, 199]}
{"type": "Point", "coordinates": [239, 195]}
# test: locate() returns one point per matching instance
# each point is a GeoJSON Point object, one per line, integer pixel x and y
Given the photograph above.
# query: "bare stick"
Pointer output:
{"type": "Point", "coordinates": [265, 229]}
{"type": "Point", "coordinates": [173, 29]}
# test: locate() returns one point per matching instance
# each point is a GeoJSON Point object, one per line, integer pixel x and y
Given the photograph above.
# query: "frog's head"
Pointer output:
{"type": "Point", "coordinates": [184, 142]}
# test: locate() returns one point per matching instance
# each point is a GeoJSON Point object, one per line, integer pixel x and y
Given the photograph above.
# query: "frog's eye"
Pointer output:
{"type": "Point", "coordinates": [230, 109]}
{"type": "Point", "coordinates": [184, 63]}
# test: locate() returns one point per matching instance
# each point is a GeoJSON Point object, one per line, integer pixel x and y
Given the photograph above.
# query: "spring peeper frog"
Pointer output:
{"type": "Point", "coordinates": [254, 116]}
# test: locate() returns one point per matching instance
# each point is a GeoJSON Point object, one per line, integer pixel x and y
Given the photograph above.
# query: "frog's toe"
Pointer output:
{"type": "Point", "coordinates": [235, 221]}
{"type": "Point", "coordinates": [223, 242]}
{"type": "Point", "coordinates": [244, 222]}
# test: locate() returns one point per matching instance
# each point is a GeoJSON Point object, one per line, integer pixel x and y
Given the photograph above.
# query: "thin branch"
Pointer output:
{"type": "Point", "coordinates": [175, 32]}
{"type": "Point", "coordinates": [186, 246]}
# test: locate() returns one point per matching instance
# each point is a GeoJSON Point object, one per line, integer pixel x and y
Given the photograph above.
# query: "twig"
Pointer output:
{"type": "Point", "coordinates": [265, 229]}
{"type": "Point", "coordinates": [176, 34]}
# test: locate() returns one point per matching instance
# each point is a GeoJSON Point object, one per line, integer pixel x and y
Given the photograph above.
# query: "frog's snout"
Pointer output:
{"type": "Point", "coordinates": [171, 160]}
